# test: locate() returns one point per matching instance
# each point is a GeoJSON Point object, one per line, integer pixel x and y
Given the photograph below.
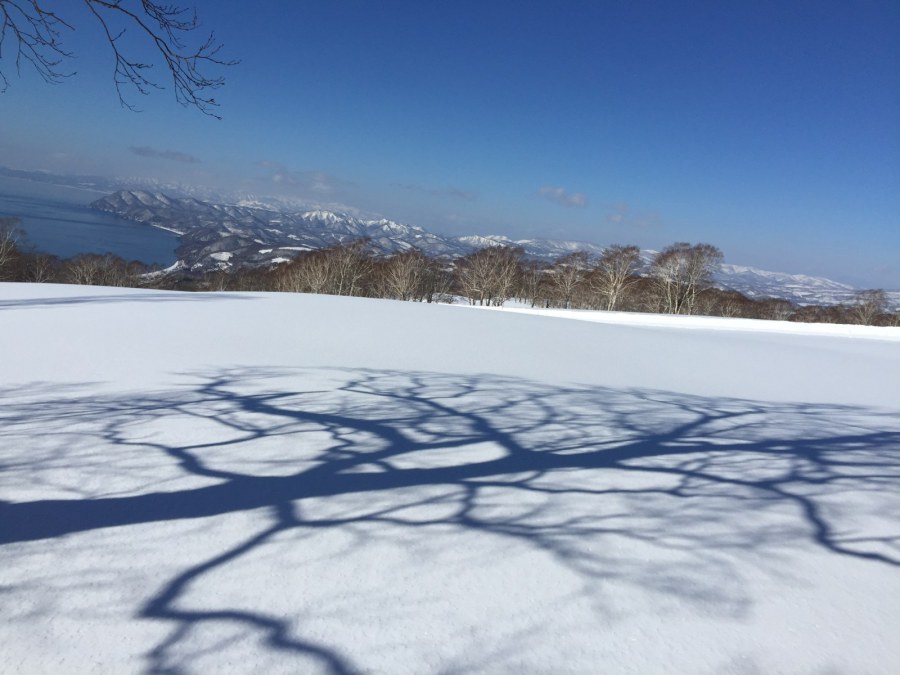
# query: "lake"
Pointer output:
{"type": "Point", "coordinates": [58, 220]}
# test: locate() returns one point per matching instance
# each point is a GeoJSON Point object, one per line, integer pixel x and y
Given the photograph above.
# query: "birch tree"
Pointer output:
{"type": "Point", "coordinates": [616, 269]}
{"type": "Point", "coordinates": [567, 274]}
{"type": "Point", "coordinates": [681, 272]}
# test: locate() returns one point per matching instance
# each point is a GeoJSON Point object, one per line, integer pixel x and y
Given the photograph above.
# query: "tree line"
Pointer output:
{"type": "Point", "coordinates": [19, 263]}
{"type": "Point", "coordinates": [677, 280]}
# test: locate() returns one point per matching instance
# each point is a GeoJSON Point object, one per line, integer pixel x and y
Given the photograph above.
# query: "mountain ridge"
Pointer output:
{"type": "Point", "coordinates": [217, 236]}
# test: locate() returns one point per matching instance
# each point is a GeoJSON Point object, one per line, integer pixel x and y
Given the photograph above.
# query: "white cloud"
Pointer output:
{"type": "Point", "coordinates": [171, 155]}
{"type": "Point", "coordinates": [563, 197]}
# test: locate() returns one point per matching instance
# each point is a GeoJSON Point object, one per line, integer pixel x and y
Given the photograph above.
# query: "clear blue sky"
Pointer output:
{"type": "Point", "coordinates": [771, 129]}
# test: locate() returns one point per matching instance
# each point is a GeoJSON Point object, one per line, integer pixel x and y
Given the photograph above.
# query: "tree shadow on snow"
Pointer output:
{"type": "Point", "coordinates": [659, 490]}
{"type": "Point", "coordinates": [116, 297]}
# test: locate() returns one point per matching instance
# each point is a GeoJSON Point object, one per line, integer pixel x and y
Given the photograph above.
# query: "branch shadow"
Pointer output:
{"type": "Point", "coordinates": [660, 491]}
{"type": "Point", "coordinates": [169, 296]}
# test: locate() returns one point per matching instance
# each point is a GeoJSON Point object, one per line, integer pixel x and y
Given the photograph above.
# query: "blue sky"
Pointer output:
{"type": "Point", "coordinates": [771, 129]}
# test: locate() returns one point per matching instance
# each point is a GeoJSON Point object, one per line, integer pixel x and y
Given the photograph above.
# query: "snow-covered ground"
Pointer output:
{"type": "Point", "coordinates": [273, 483]}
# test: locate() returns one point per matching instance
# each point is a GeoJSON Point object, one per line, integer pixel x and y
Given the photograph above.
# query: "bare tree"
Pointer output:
{"type": "Point", "coordinates": [217, 280]}
{"type": "Point", "coordinates": [616, 269]}
{"type": "Point", "coordinates": [33, 34]}
{"type": "Point", "coordinates": [9, 251]}
{"type": "Point", "coordinates": [868, 305]}
{"type": "Point", "coordinates": [41, 268]}
{"type": "Point", "coordinates": [567, 274]}
{"type": "Point", "coordinates": [83, 269]}
{"type": "Point", "coordinates": [339, 270]}
{"type": "Point", "coordinates": [92, 269]}
{"type": "Point", "coordinates": [308, 273]}
{"type": "Point", "coordinates": [716, 302]}
{"type": "Point", "coordinates": [532, 281]}
{"type": "Point", "coordinates": [350, 267]}
{"type": "Point", "coordinates": [489, 276]}
{"type": "Point", "coordinates": [404, 275]}
{"type": "Point", "coordinates": [506, 272]}
{"type": "Point", "coordinates": [681, 272]}
{"type": "Point", "coordinates": [472, 274]}
{"type": "Point", "coordinates": [437, 286]}
{"type": "Point", "coordinates": [774, 309]}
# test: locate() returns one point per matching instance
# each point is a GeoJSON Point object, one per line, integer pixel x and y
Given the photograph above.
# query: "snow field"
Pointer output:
{"type": "Point", "coordinates": [287, 483]}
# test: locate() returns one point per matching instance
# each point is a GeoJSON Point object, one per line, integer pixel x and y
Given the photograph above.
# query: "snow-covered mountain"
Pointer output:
{"type": "Point", "coordinates": [548, 249]}
{"type": "Point", "coordinates": [256, 233]}
{"type": "Point", "coordinates": [798, 288]}
{"type": "Point", "coordinates": [259, 232]}
{"type": "Point", "coordinates": [801, 289]}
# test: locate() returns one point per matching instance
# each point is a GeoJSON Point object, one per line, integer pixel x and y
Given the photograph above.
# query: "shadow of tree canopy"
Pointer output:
{"type": "Point", "coordinates": [655, 490]}
{"type": "Point", "coordinates": [116, 297]}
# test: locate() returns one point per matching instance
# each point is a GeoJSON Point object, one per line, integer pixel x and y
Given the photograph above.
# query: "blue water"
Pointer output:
{"type": "Point", "coordinates": [58, 220]}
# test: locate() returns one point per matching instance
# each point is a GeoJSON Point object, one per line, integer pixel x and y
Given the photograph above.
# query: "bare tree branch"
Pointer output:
{"type": "Point", "coordinates": [35, 36]}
